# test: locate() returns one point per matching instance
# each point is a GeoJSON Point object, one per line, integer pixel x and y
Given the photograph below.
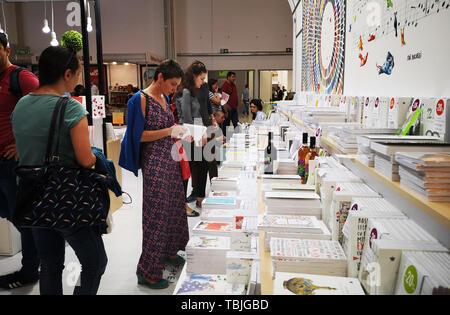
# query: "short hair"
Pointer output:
{"type": "Point", "coordinates": [4, 40]}
{"type": "Point", "coordinates": [230, 73]}
{"type": "Point", "coordinates": [258, 103]}
{"type": "Point", "coordinates": [211, 82]}
{"type": "Point", "coordinates": [169, 69]}
{"type": "Point", "coordinates": [246, 86]}
{"type": "Point", "coordinates": [219, 112]}
{"type": "Point", "coordinates": [54, 62]}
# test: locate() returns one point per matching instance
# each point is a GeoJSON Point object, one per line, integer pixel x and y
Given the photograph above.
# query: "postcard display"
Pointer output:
{"type": "Point", "coordinates": [334, 235]}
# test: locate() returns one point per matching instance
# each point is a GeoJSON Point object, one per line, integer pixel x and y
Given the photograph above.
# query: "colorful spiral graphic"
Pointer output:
{"type": "Point", "coordinates": [323, 46]}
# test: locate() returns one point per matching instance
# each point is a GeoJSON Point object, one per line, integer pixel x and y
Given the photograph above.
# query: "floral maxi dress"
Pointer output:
{"type": "Point", "coordinates": [164, 220]}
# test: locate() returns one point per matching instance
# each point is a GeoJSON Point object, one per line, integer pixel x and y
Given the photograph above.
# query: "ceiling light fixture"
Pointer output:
{"type": "Point", "coordinates": [54, 41]}
{"type": "Point", "coordinates": [89, 20]}
{"type": "Point", "coordinates": [45, 29]}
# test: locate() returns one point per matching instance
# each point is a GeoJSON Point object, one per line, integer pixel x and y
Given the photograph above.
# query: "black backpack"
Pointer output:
{"type": "Point", "coordinates": [14, 86]}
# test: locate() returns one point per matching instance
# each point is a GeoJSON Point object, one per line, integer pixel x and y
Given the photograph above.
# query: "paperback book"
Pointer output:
{"type": "Point", "coordinates": [308, 284]}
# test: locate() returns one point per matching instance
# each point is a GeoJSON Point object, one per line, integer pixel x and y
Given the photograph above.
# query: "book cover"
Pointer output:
{"type": "Point", "coordinates": [307, 284]}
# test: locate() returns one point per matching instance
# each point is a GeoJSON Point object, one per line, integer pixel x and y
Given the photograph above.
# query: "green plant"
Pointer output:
{"type": "Point", "coordinates": [72, 39]}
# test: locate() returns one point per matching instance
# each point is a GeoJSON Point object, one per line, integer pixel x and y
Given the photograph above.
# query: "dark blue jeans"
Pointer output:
{"type": "Point", "coordinates": [89, 248]}
{"type": "Point", "coordinates": [8, 189]}
{"type": "Point", "coordinates": [234, 118]}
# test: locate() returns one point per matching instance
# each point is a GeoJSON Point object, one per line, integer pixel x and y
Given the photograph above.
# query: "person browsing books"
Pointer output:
{"type": "Point", "coordinates": [256, 109]}
{"type": "Point", "coordinates": [59, 71]}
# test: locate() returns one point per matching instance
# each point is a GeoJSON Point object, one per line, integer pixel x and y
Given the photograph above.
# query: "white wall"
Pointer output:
{"type": "Point", "coordinates": [427, 76]}
{"type": "Point", "coordinates": [206, 26]}
{"type": "Point", "coordinates": [123, 75]}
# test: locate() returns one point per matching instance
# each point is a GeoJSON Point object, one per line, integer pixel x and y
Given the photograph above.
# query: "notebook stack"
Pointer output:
{"type": "Point", "coordinates": [204, 284]}
{"type": "Point", "coordinates": [211, 249]}
{"type": "Point", "coordinates": [426, 173]}
{"type": "Point", "coordinates": [254, 284]}
{"type": "Point", "coordinates": [225, 184]}
{"type": "Point", "coordinates": [293, 203]}
{"type": "Point", "coordinates": [423, 273]}
{"type": "Point", "coordinates": [341, 203]}
{"type": "Point", "coordinates": [308, 256]}
{"type": "Point", "coordinates": [386, 239]}
{"type": "Point", "coordinates": [213, 228]}
{"type": "Point", "coordinates": [306, 284]}
{"type": "Point", "coordinates": [355, 227]}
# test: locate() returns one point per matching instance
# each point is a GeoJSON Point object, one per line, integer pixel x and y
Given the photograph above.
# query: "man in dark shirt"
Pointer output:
{"type": "Point", "coordinates": [231, 106]}
{"type": "Point", "coordinates": [26, 82]}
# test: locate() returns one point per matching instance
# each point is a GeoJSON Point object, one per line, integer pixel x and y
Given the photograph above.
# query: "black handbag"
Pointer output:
{"type": "Point", "coordinates": [57, 196]}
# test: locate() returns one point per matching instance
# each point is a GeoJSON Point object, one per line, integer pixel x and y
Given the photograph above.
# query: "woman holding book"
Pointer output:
{"type": "Point", "coordinates": [189, 109]}
{"type": "Point", "coordinates": [151, 131]}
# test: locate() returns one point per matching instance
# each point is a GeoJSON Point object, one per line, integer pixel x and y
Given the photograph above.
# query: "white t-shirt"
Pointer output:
{"type": "Point", "coordinates": [94, 90]}
{"type": "Point", "coordinates": [260, 116]}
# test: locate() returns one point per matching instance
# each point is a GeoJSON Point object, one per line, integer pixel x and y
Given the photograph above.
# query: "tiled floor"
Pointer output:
{"type": "Point", "coordinates": [123, 247]}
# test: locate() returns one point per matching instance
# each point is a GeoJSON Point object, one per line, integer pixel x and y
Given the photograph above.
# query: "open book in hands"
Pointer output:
{"type": "Point", "coordinates": [197, 132]}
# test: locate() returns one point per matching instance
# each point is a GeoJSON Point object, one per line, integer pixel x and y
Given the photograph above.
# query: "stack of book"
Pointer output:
{"type": "Point", "coordinates": [228, 171]}
{"type": "Point", "coordinates": [289, 224]}
{"type": "Point", "coordinates": [287, 167]}
{"type": "Point", "coordinates": [238, 266]}
{"type": "Point", "coordinates": [341, 203]}
{"type": "Point", "coordinates": [308, 256]}
{"type": "Point", "coordinates": [325, 234]}
{"type": "Point", "coordinates": [385, 150]}
{"type": "Point", "coordinates": [327, 180]}
{"type": "Point", "coordinates": [225, 184]}
{"type": "Point", "coordinates": [423, 273]}
{"type": "Point", "coordinates": [306, 284]}
{"type": "Point", "coordinates": [287, 187]}
{"type": "Point", "coordinates": [254, 284]}
{"type": "Point", "coordinates": [347, 138]}
{"type": "Point", "coordinates": [223, 194]}
{"type": "Point", "coordinates": [293, 203]}
{"type": "Point", "coordinates": [367, 156]}
{"type": "Point", "coordinates": [219, 215]}
{"type": "Point", "coordinates": [212, 249]}
{"type": "Point", "coordinates": [426, 173]}
{"type": "Point", "coordinates": [386, 239]}
{"type": "Point", "coordinates": [280, 179]}
{"type": "Point", "coordinates": [204, 284]}
{"type": "Point", "coordinates": [220, 203]}
{"type": "Point", "coordinates": [355, 227]}
{"type": "Point", "coordinates": [213, 228]}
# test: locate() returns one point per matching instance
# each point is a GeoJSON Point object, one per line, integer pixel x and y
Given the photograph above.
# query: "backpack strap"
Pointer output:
{"type": "Point", "coordinates": [14, 86]}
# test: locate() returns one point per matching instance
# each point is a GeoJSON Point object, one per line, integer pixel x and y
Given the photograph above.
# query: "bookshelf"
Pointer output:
{"type": "Point", "coordinates": [434, 217]}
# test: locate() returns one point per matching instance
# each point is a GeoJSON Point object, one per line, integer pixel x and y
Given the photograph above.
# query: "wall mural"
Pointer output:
{"type": "Point", "coordinates": [323, 46]}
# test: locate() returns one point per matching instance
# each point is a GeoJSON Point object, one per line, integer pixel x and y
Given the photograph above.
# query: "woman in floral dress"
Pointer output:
{"type": "Point", "coordinates": [164, 221]}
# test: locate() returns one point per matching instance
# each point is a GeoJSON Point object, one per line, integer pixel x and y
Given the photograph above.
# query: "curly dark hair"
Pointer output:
{"type": "Point", "coordinates": [195, 69]}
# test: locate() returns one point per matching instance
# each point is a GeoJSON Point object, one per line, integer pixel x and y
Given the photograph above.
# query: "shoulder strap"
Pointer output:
{"type": "Point", "coordinates": [14, 86]}
{"type": "Point", "coordinates": [48, 156]}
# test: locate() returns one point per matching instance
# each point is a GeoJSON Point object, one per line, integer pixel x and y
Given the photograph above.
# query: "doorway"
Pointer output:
{"type": "Point", "coordinates": [270, 80]}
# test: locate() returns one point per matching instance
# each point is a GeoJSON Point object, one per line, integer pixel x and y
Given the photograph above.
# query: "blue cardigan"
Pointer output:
{"type": "Point", "coordinates": [130, 147]}
{"type": "Point", "coordinates": [131, 143]}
